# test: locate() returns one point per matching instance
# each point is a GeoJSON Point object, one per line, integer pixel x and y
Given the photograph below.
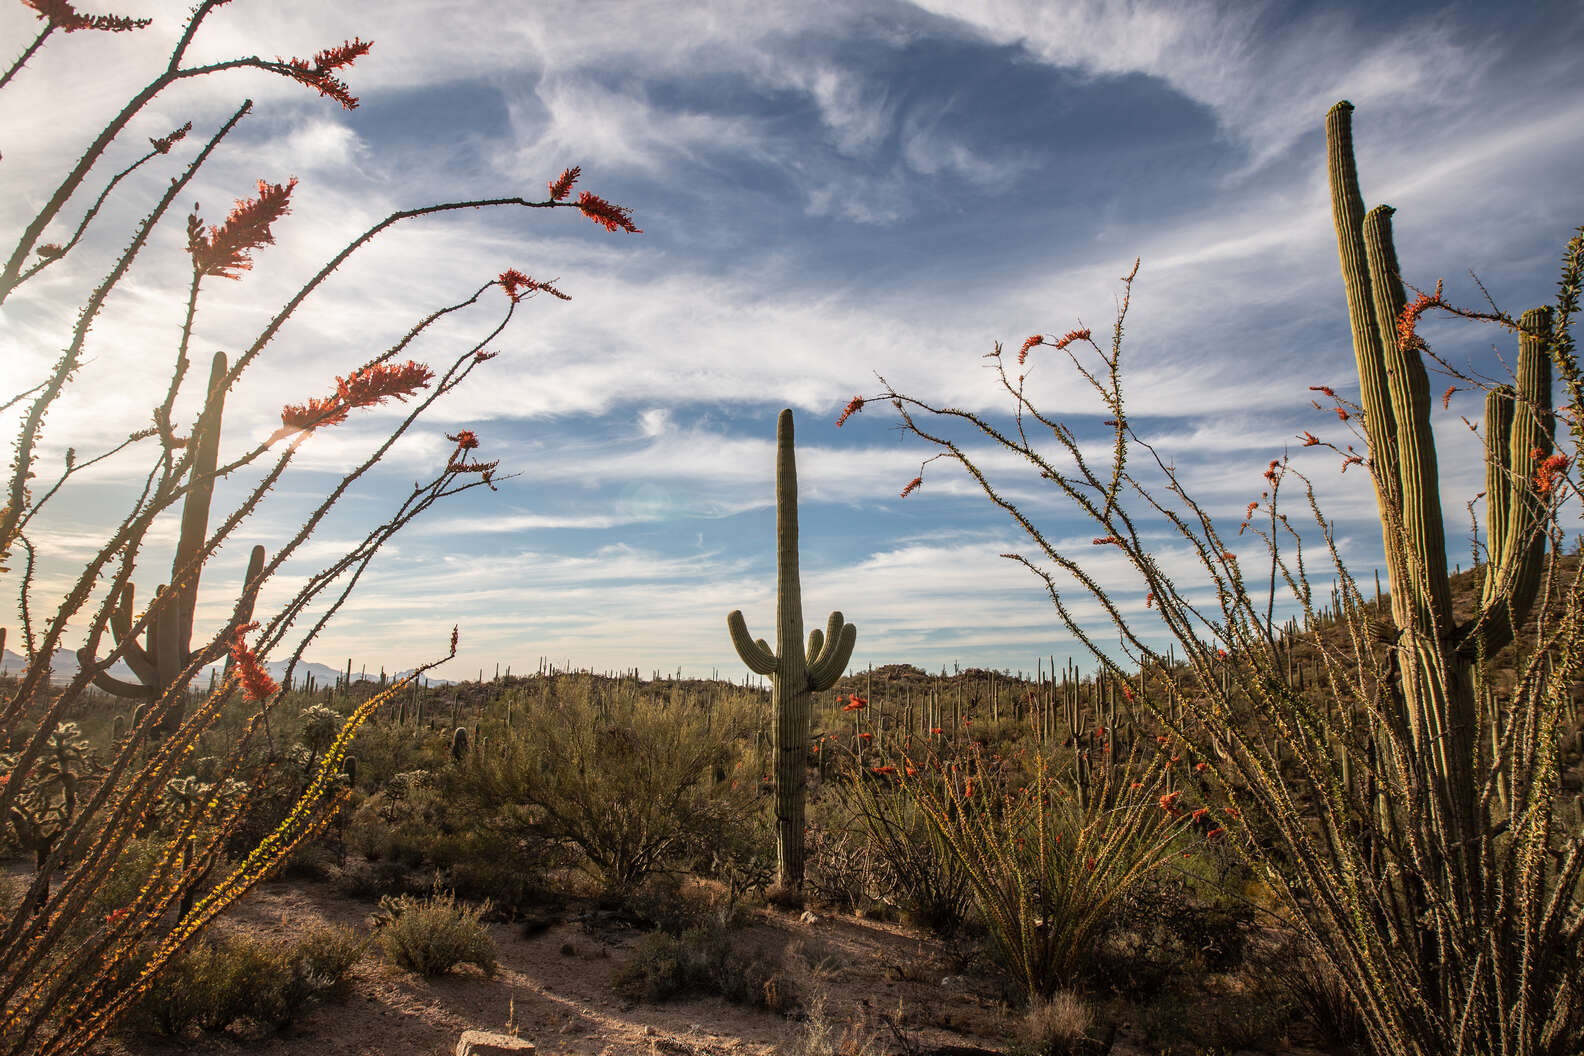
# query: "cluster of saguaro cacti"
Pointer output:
{"type": "Point", "coordinates": [795, 674]}
{"type": "Point", "coordinates": [166, 651]}
{"type": "Point", "coordinates": [1436, 712]}
{"type": "Point", "coordinates": [1436, 654]}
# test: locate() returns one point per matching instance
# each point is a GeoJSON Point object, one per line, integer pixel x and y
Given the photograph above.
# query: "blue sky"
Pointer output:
{"type": "Point", "coordinates": [826, 192]}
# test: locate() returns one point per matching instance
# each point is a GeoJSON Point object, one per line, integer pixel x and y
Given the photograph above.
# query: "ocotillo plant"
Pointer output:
{"type": "Point", "coordinates": [795, 675]}
{"type": "Point", "coordinates": [1442, 913]}
{"type": "Point", "coordinates": [68, 970]}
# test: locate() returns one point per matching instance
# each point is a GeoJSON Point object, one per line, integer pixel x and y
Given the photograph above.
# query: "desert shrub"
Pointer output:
{"type": "Point", "coordinates": [218, 982]}
{"type": "Point", "coordinates": [432, 935]}
{"type": "Point", "coordinates": [1316, 993]}
{"type": "Point", "coordinates": [1167, 925]}
{"type": "Point", "coordinates": [909, 866]}
{"type": "Point", "coordinates": [1044, 871]}
{"type": "Point", "coordinates": [627, 782]}
{"type": "Point", "coordinates": [705, 960]}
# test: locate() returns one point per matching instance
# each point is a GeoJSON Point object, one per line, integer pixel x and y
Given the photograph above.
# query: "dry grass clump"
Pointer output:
{"type": "Point", "coordinates": [1056, 1025]}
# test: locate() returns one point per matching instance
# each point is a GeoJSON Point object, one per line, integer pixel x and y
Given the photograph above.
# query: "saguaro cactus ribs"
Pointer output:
{"type": "Point", "coordinates": [794, 675]}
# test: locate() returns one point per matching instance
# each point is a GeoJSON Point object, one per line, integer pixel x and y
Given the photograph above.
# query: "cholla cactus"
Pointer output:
{"type": "Point", "coordinates": [795, 675]}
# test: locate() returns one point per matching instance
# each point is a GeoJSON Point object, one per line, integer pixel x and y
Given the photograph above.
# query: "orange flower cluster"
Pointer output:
{"type": "Point", "coordinates": [1073, 335]}
{"type": "Point", "coordinates": [515, 283]}
{"type": "Point", "coordinates": [64, 17]}
{"type": "Point", "coordinates": [256, 682]}
{"type": "Point", "coordinates": [326, 62]}
{"type": "Point", "coordinates": [1446, 397]}
{"type": "Point", "coordinates": [613, 217]}
{"type": "Point", "coordinates": [912, 486]}
{"type": "Point", "coordinates": [1036, 339]}
{"type": "Point", "coordinates": [1406, 338]}
{"type": "Point", "coordinates": [561, 186]}
{"type": "Point", "coordinates": [884, 769]}
{"type": "Point", "coordinates": [467, 439]}
{"type": "Point", "coordinates": [364, 388]}
{"type": "Point", "coordinates": [1547, 472]}
{"type": "Point", "coordinates": [224, 250]}
{"type": "Point", "coordinates": [853, 407]}
{"type": "Point", "coordinates": [937, 730]}
{"type": "Point", "coordinates": [854, 703]}
{"type": "Point", "coordinates": [1310, 439]}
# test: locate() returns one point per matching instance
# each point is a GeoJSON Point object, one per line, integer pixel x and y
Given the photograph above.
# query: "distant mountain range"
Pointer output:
{"type": "Point", "coordinates": [66, 666]}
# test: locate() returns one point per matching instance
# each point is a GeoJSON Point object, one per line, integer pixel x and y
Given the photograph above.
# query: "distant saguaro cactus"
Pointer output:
{"type": "Point", "coordinates": [795, 674]}
{"type": "Point", "coordinates": [167, 648]}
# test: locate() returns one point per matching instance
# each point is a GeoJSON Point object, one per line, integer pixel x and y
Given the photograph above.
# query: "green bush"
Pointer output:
{"type": "Point", "coordinates": [218, 982]}
{"type": "Point", "coordinates": [627, 782]}
{"type": "Point", "coordinates": [432, 935]}
{"type": "Point", "coordinates": [704, 960]}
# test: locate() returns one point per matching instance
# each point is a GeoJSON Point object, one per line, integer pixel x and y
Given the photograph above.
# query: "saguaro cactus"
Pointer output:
{"type": "Point", "coordinates": [167, 648]}
{"type": "Point", "coordinates": [1436, 655]}
{"type": "Point", "coordinates": [795, 675]}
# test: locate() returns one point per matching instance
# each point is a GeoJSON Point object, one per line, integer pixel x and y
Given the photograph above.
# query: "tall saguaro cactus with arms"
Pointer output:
{"type": "Point", "coordinates": [1461, 882]}
{"type": "Point", "coordinates": [167, 648]}
{"type": "Point", "coordinates": [795, 675]}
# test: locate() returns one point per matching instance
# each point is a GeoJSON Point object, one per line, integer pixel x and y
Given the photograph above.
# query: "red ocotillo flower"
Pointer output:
{"type": "Point", "coordinates": [853, 407]}
{"type": "Point", "coordinates": [1547, 472]}
{"type": "Point", "coordinates": [256, 682]}
{"type": "Point", "coordinates": [515, 283]}
{"type": "Point", "coordinates": [1323, 388]}
{"type": "Point", "coordinates": [64, 17]}
{"type": "Point", "coordinates": [467, 439]}
{"type": "Point", "coordinates": [1036, 339]}
{"type": "Point", "coordinates": [613, 217]}
{"type": "Point", "coordinates": [561, 186]}
{"type": "Point", "coordinates": [1409, 318]}
{"type": "Point", "coordinates": [1446, 397]}
{"type": "Point", "coordinates": [366, 387]}
{"type": "Point", "coordinates": [317, 76]}
{"type": "Point", "coordinates": [224, 250]}
{"type": "Point", "coordinates": [1310, 439]}
{"type": "Point", "coordinates": [1073, 335]}
{"type": "Point", "coordinates": [912, 486]}
{"type": "Point", "coordinates": [884, 769]}
{"type": "Point", "coordinates": [1342, 414]}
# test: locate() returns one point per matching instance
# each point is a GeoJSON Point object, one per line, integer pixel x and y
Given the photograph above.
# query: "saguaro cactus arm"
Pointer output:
{"type": "Point", "coordinates": [755, 653]}
{"type": "Point", "coordinates": [1515, 513]}
{"type": "Point", "coordinates": [828, 653]}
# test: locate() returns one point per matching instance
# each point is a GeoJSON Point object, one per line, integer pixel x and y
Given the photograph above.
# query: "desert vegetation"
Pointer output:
{"type": "Point", "coordinates": [1362, 828]}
